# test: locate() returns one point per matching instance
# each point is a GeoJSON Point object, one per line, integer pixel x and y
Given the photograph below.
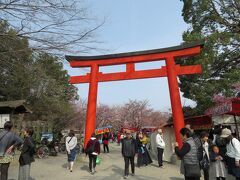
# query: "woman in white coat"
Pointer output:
{"type": "Point", "coordinates": [160, 147]}
{"type": "Point", "coordinates": [71, 143]}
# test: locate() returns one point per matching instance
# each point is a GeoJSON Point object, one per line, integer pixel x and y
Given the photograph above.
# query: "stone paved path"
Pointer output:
{"type": "Point", "coordinates": [111, 168]}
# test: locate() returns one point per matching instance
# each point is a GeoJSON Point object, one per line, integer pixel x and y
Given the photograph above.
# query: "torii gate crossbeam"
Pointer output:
{"type": "Point", "coordinates": [171, 71]}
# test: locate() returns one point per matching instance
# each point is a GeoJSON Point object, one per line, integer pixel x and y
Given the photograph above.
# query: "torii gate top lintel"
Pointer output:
{"type": "Point", "coordinates": [171, 71]}
{"type": "Point", "coordinates": [187, 49]}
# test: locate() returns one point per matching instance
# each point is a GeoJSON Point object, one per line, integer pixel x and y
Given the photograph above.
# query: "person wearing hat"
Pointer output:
{"type": "Point", "coordinates": [129, 149]}
{"type": "Point", "coordinates": [233, 153]}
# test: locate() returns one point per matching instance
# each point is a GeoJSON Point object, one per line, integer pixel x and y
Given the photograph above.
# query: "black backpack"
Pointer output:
{"type": "Point", "coordinates": [91, 148]}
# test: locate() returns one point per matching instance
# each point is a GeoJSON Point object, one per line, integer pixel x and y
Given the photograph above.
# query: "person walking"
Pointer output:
{"type": "Point", "coordinates": [233, 153]}
{"type": "Point", "coordinates": [118, 138]}
{"type": "Point", "coordinates": [92, 150]}
{"type": "Point", "coordinates": [26, 156]}
{"type": "Point", "coordinates": [129, 149]}
{"type": "Point", "coordinates": [160, 147]}
{"type": "Point", "coordinates": [206, 158]}
{"type": "Point", "coordinates": [218, 165]}
{"type": "Point", "coordinates": [8, 142]}
{"type": "Point", "coordinates": [188, 154]}
{"type": "Point", "coordinates": [71, 143]}
{"type": "Point", "coordinates": [105, 141]}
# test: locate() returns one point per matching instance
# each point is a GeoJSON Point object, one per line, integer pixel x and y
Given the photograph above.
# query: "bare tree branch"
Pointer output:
{"type": "Point", "coordinates": [52, 26]}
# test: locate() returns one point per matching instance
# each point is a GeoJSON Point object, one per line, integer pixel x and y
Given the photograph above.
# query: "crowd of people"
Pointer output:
{"type": "Point", "coordinates": [218, 152]}
{"type": "Point", "coordinates": [130, 147]}
{"type": "Point", "coordinates": [200, 153]}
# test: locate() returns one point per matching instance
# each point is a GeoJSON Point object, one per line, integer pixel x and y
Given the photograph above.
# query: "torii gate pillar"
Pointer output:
{"type": "Point", "coordinates": [92, 103]}
{"type": "Point", "coordinates": [178, 118]}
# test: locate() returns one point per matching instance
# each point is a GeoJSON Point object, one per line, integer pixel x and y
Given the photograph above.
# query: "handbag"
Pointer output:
{"type": "Point", "coordinates": [192, 170]}
{"type": "Point", "coordinates": [98, 160]}
{"type": "Point", "coordinates": [7, 158]}
{"type": "Point", "coordinates": [204, 163]}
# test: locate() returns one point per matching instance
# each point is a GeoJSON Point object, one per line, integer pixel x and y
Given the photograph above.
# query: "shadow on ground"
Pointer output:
{"type": "Point", "coordinates": [154, 165]}
{"type": "Point", "coordinates": [65, 165]}
{"type": "Point", "coordinates": [117, 170]}
{"type": "Point", "coordinates": [175, 178]}
{"type": "Point", "coordinates": [85, 168]}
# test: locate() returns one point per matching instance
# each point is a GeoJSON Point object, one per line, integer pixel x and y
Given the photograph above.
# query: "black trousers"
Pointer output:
{"type": "Point", "coordinates": [206, 174]}
{"type": "Point", "coordinates": [220, 178]}
{"type": "Point", "coordinates": [192, 178]}
{"type": "Point", "coordinates": [92, 161]}
{"type": "Point", "coordinates": [160, 156]}
{"type": "Point", "coordinates": [4, 171]}
{"type": "Point", "coordinates": [126, 160]}
{"type": "Point", "coordinates": [105, 148]}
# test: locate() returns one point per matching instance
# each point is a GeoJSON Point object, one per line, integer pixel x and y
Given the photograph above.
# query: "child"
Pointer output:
{"type": "Point", "coordinates": [218, 164]}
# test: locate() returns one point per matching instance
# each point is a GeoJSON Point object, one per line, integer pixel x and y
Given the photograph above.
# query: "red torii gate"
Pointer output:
{"type": "Point", "coordinates": [171, 71]}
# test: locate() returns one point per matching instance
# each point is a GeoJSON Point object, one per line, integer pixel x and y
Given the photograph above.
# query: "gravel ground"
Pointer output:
{"type": "Point", "coordinates": [111, 168]}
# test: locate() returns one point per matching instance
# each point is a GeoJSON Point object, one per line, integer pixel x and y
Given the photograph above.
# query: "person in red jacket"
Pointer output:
{"type": "Point", "coordinates": [93, 150]}
{"type": "Point", "coordinates": [105, 141]}
{"type": "Point", "coordinates": [118, 138]}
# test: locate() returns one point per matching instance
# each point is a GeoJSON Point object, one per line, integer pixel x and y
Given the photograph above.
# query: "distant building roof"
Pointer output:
{"type": "Point", "coordinates": [199, 122]}
{"type": "Point", "coordinates": [14, 107]}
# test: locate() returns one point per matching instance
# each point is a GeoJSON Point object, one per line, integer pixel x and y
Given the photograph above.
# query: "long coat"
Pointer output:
{"type": "Point", "coordinates": [28, 150]}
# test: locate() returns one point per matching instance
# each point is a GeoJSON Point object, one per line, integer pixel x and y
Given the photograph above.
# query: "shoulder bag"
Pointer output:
{"type": "Point", "coordinates": [192, 170]}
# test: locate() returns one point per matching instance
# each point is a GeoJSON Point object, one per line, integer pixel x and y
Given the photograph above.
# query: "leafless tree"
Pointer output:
{"type": "Point", "coordinates": [157, 119]}
{"type": "Point", "coordinates": [80, 111]}
{"type": "Point", "coordinates": [51, 25]}
{"type": "Point", "coordinates": [105, 115]}
{"type": "Point", "coordinates": [132, 114]}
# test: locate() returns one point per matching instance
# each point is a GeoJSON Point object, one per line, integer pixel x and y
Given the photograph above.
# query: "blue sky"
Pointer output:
{"type": "Point", "coordinates": [134, 25]}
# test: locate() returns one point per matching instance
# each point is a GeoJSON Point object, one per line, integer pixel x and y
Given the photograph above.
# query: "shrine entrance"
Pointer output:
{"type": "Point", "coordinates": [171, 71]}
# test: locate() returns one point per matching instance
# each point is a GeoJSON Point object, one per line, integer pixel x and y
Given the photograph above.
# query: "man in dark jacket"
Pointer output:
{"type": "Point", "coordinates": [26, 156]}
{"type": "Point", "coordinates": [129, 149]}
